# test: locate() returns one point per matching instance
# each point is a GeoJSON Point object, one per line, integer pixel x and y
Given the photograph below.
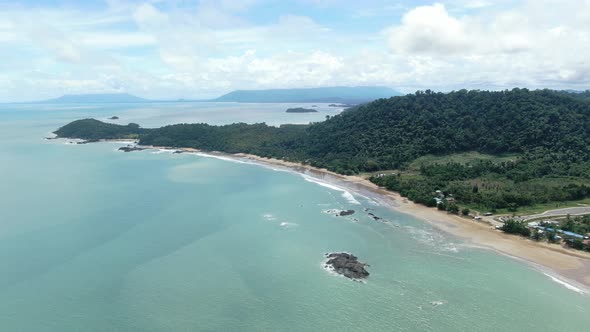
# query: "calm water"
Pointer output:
{"type": "Point", "coordinates": [92, 239]}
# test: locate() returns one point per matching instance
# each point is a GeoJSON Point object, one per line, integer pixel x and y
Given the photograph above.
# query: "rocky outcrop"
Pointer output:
{"type": "Point", "coordinates": [88, 141]}
{"type": "Point", "coordinates": [347, 265]}
{"type": "Point", "coordinates": [345, 213]}
{"type": "Point", "coordinates": [130, 149]}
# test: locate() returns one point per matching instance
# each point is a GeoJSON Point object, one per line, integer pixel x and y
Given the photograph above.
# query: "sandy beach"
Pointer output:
{"type": "Point", "coordinates": [567, 265]}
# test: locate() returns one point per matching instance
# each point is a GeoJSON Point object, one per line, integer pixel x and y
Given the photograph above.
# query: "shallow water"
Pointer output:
{"type": "Point", "coordinates": [95, 239]}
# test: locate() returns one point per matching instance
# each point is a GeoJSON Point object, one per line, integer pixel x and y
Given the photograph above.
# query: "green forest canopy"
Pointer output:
{"type": "Point", "coordinates": [549, 130]}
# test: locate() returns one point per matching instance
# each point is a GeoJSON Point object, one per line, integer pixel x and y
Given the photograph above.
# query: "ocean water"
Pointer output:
{"type": "Point", "coordinates": [92, 239]}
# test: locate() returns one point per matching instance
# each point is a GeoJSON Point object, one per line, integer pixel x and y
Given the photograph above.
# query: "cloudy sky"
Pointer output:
{"type": "Point", "coordinates": [197, 49]}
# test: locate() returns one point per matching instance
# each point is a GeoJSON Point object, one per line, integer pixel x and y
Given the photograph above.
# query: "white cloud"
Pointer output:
{"type": "Point", "coordinates": [534, 44]}
{"type": "Point", "coordinates": [429, 29]}
{"type": "Point", "coordinates": [163, 50]}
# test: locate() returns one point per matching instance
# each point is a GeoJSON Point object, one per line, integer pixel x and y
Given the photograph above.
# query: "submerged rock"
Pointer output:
{"type": "Point", "coordinates": [345, 213]}
{"type": "Point", "coordinates": [339, 213]}
{"type": "Point", "coordinates": [130, 149]}
{"type": "Point", "coordinates": [377, 218]}
{"type": "Point", "coordinates": [347, 265]}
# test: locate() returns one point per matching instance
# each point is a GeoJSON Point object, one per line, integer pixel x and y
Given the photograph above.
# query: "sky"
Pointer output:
{"type": "Point", "coordinates": [201, 49]}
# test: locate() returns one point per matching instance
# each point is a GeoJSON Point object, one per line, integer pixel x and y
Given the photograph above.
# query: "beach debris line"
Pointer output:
{"type": "Point", "coordinates": [347, 265]}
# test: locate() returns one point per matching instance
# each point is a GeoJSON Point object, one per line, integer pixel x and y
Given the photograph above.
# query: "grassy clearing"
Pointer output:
{"type": "Point", "coordinates": [460, 158]}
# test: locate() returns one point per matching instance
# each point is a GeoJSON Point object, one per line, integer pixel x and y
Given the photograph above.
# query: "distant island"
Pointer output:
{"type": "Point", "coordinates": [346, 95]}
{"type": "Point", "coordinates": [114, 118]}
{"type": "Point", "coordinates": [301, 110]}
{"type": "Point", "coordinates": [341, 105]}
{"type": "Point", "coordinates": [96, 98]}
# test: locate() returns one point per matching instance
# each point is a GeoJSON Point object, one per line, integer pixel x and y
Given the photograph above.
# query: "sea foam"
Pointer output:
{"type": "Point", "coordinates": [346, 194]}
{"type": "Point", "coordinates": [567, 285]}
{"type": "Point", "coordinates": [234, 160]}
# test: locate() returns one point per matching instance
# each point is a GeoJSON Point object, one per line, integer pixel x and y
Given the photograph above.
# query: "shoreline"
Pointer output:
{"type": "Point", "coordinates": [568, 267]}
{"type": "Point", "coordinates": [551, 259]}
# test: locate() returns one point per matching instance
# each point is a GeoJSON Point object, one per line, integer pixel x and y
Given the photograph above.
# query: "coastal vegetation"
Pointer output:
{"type": "Point", "coordinates": [526, 147]}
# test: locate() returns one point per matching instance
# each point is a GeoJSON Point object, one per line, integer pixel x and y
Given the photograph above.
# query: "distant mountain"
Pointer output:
{"type": "Point", "coordinates": [347, 95]}
{"type": "Point", "coordinates": [98, 98]}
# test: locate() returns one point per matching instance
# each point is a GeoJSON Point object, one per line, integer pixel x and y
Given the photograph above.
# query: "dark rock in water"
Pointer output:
{"type": "Point", "coordinates": [346, 213]}
{"type": "Point", "coordinates": [114, 118]}
{"type": "Point", "coordinates": [130, 149]}
{"type": "Point", "coordinates": [50, 138]}
{"type": "Point", "coordinates": [374, 217]}
{"type": "Point", "coordinates": [347, 265]}
{"type": "Point", "coordinates": [178, 152]}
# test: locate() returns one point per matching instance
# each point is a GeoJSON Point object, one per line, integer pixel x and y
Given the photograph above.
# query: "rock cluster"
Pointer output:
{"type": "Point", "coordinates": [130, 149]}
{"type": "Point", "coordinates": [347, 265]}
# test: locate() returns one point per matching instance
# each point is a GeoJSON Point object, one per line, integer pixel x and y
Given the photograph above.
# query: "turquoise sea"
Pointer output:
{"type": "Point", "coordinates": [92, 239]}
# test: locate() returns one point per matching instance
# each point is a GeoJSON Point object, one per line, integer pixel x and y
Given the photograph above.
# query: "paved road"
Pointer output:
{"type": "Point", "coordinates": [561, 212]}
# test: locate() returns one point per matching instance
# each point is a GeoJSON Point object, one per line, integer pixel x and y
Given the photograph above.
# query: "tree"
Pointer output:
{"type": "Point", "coordinates": [465, 211]}
{"type": "Point", "coordinates": [551, 236]}
{"type": "Point", "coordinates": [512, 226]}
{"type": "Point", "coordinates": [576, 244]}
{"type": "Point", "coordinates": [453, 208]}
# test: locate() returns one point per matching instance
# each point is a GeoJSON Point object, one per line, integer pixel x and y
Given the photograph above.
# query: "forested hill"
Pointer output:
{"type": "Point", "coordinates": [389, 133]}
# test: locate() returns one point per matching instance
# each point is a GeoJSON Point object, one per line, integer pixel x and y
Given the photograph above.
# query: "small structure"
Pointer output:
{"type": "Point", "coordinates": [564, 233]}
